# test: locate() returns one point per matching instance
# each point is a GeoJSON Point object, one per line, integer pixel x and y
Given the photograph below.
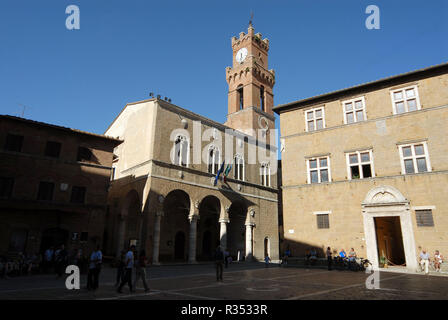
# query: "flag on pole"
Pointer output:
{"type": "Point", "coordinates": [227, 171]}
{"type": "Point", "coordinates": [219, 173]}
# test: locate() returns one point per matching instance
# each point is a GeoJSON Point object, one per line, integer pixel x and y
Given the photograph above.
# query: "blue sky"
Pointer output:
{"type": "Point", "coordinates": [126, 49]}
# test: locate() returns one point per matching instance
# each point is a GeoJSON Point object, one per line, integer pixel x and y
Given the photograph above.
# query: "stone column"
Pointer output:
{"type": "Point", "coordinates": [192, 237]}
{"type": "Point", "coordinates": [249, 241]}
{"type": "Point", "coordinates": [223, 233]}
{"type": "Point", "coordinates": [156, 238]}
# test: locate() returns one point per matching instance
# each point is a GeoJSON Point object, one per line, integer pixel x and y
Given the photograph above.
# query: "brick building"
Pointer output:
{"type": "Point", "coordinates": [53, 186]}
{"type": "Point", "coordinates": [367, 167]}
{"type": "Point", "coordinates": [163, 197]}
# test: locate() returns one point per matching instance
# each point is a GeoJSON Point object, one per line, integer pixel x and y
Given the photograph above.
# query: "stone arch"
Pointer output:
{"type": "Point", "coordinates": [386, 202]}
{"type": "Point", "coordinates": [383, 195]}
{"type": "Point", "coordinates": [208, 227]}
{"type": "Point", "coordinates": [236, 234]}
{"type": "Point", "coordinates": [176, 209]}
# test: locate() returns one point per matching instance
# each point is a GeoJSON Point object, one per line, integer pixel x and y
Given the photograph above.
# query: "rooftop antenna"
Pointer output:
{"type": "Point", "coordinates": [23, 109]}
{"type": "Point", "coordinates": [251, 18]}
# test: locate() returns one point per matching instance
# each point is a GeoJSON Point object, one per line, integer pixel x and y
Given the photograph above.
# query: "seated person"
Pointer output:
{"type": "Point", "coordinates": [307, 254]}
{"type": "Point", "coordinates": [342, 254]}
{"type": "Point", "coordinates": [352, 255]}
{"type": "Point", "coordinates": [424, 261]}
{"type": "Point", "coordinates": [438, 259]}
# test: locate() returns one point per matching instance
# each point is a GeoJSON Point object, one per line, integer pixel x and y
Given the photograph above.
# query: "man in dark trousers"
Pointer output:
{"type": "Point", "coordinates": [219, 260]}
{"type": "Point", "coordinates": [96, 259]}
{"type": "Point", "coordinates": [129, 265]}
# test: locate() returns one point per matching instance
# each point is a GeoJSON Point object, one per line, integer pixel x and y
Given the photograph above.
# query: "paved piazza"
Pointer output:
{"type": "Point", "coordinates": [245, 281]}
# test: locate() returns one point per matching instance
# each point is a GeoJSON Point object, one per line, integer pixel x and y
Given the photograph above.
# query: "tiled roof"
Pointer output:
{"type": "Point", "coordinates": [38, 123]}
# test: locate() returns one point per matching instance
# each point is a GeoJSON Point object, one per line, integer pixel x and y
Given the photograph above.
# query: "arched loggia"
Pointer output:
{"type": "Point", "coordinates": [128, 223]}
{"type": "Point", "coordinates": [175, 227]}
{"type": "Point", "coordinates": [208, 227]}
{"type": "Point", "coordinates": [236, 233]}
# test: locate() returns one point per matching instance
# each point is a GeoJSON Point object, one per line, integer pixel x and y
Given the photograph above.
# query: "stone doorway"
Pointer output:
{"type": "Point", "coordinates": [388, 202]}
{"type": "Point", "coordinates": [389, 241]}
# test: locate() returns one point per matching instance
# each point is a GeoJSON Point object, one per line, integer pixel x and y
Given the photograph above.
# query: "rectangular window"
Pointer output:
{"type": "Point", "coordinates": [13, 142]}
{"type": "Point", "coordinates": [53, 149]}
{"type": "Point", "coordinates": [315, 119]}
{"type": "Point", "coordinates": [354, 110]}
{"type": "Point", "coordinates": [414, 158]}
{"type": "Point", "coordinates": [405, 100]}
{"type": "Point", "coordinates": [323, 221]}
{"type": "Point", "coordinates": [360, 165]}
{"type": "Point", "coordinates": [318, 170]}
{"type": "Point", "coordinates": [78, 194]}
{"type": "Point", "coordinates": [424, 218]}
{"type": "Point", "coordinates": [6, 185]}
{"type": "Point", "coordinates": [84, 154]}
{"type": "Point", "coordinates": [45, 191]}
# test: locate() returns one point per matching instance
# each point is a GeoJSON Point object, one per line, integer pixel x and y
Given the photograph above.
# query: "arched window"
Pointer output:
{"type": "Point", "coordinates": [240, 94]}
{"type": "Point", "coordinates": [239, 167]}
{"type": "Point", "coordinates": [181, 147]}
{"type": "Point", "coordinates": [262, 98]}
{"type": "Point", "coordinates": [265, 174]}
{"type": "Point", "coordinates": [213, 160]}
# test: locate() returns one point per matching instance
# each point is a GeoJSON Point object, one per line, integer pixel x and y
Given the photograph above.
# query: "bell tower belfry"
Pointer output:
{"type": "Point", "coordinates": [250, 97]}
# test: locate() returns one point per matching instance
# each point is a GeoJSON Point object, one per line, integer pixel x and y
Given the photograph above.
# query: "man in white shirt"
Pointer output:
{"type": "Point", "coordinates": [129, 265]}
{"type": "Point", "coordinates": [424, 261]}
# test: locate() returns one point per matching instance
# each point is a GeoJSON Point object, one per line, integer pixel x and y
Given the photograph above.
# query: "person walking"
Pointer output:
{"type": "Point", "coordinates": [226, 258]}
{"type": "Point", "coordinates": [96, 259]}
{"type": "Point", "coordinates": [61, 261]}
{"type": "Point", "coordinates": [129, 265]}
{"type": "Point", "coordinates": [266, 261]}
{"type": "Point", "coordinates": [120, 268]}
{"type": "Point", "coordinates": [219, 260]}
{"type": "Point", "coordinates": [329, 258]}
{"type": "Point", "coordinates": [48, 259]}
{"type": "Point", "coordinates": [140, 270]}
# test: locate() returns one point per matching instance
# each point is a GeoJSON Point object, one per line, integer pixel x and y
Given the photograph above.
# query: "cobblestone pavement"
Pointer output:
{"type": "Point", "coordinates": [245, 281]}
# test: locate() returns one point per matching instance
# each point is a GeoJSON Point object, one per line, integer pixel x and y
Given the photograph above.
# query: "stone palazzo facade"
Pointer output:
{"type": "Point", "coordinates": [367, 168]}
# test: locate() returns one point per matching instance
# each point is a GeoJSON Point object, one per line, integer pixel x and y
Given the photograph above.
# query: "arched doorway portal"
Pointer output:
{"type": "Point", "coordinates": [174, 228]}
{"type": "Point", "coordinates": [208, 231]}
{"type": "Point", "coordinates": [236, 233]}
{"type": "Point", "coordinates": [388, 227]}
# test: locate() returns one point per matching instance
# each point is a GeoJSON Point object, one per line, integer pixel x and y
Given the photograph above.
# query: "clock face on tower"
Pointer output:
{"type": "Point", "coordinates": [241, 55]}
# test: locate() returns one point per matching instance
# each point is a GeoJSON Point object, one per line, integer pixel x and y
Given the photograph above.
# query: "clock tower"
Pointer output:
{"type": "Point", "coordinates": [250, 97]}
